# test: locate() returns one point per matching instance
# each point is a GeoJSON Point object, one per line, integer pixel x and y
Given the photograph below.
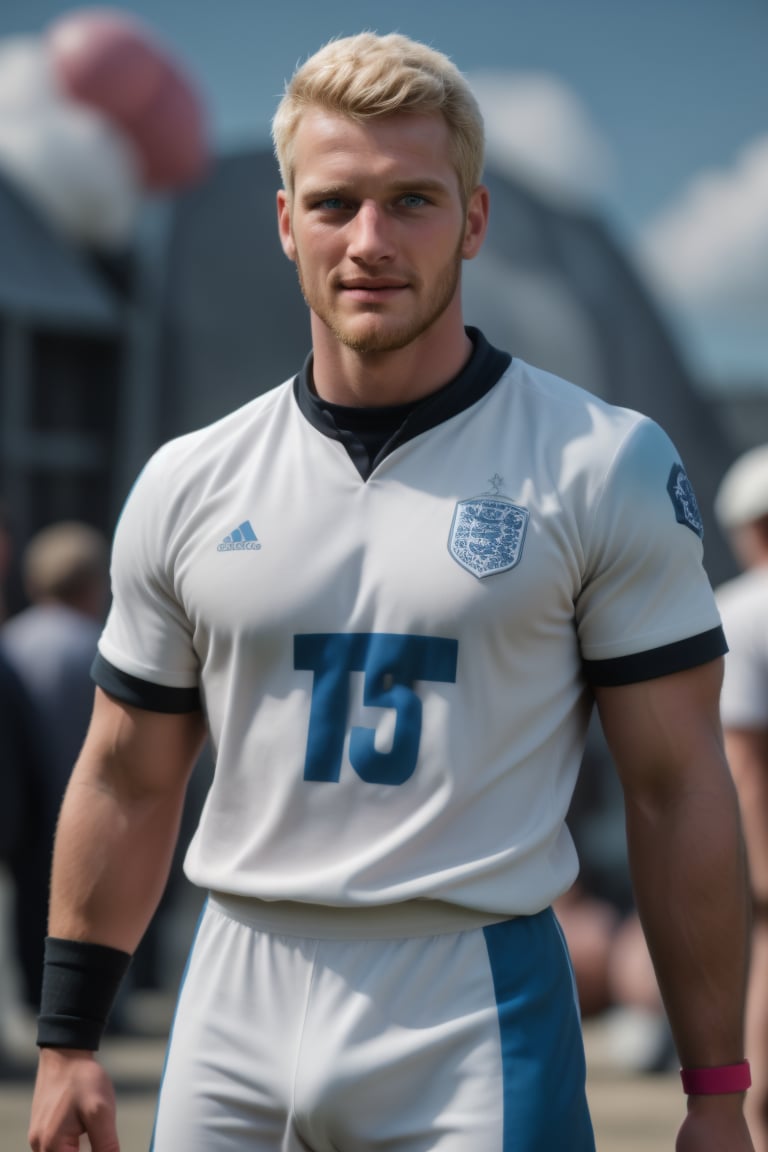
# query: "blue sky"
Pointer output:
{"type": "Point", "coordinates": [654, 112]}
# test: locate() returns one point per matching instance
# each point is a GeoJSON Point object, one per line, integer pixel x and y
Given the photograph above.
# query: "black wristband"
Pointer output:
{"type": "Point", "coordinates": [80, 983]}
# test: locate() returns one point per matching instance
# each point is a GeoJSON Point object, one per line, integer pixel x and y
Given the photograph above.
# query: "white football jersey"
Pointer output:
{"type": "Point", "coordinates": [395, 670]}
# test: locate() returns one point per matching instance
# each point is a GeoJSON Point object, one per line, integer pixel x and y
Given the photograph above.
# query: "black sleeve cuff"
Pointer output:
{"type": "Point", "coordinates": [142, 693]}
{"type": "Point", "coordinates": [664, 661]}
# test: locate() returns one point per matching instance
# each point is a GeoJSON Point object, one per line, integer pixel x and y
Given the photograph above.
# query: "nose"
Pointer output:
{"type": "Point", "coordinates": [371, 239]}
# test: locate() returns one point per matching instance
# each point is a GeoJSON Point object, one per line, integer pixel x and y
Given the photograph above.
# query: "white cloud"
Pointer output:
{"type": "Point", "coordinates": [538, 129]}
{"type": "Point", "coordinates": [708, 251]}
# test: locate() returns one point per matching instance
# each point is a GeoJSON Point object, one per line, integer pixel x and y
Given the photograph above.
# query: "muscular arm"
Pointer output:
{"type": "Point", "coordinates": [119, 822]}
{"type": "Point", "coordinates": [688, 868]}
{"type": "Point", "coordinates": [114, 844]}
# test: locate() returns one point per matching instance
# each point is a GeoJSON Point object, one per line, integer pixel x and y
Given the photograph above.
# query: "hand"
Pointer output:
{"type": "Point", "coordinates": [714, 1124]}
{"type": "Point", "coordinates": [73, 1097]}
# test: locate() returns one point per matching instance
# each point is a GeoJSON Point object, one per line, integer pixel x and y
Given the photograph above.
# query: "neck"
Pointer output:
{"type": "Point", "coordinates": [344, 376]}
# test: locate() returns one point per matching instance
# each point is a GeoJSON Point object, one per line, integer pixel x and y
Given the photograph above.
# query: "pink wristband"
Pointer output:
{"type": "Point", "coordinates": [716, 1081]}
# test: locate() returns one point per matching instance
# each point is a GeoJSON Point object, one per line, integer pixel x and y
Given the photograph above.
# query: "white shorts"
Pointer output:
{"type": "Point", "coordinates": [313, 1030]}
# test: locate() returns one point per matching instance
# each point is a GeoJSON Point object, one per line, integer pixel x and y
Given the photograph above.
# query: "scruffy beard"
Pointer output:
{"type": "Point", "coordinates": [372, 342]}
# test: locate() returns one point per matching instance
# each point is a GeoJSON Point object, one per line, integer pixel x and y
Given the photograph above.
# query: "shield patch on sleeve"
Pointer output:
{"type": "Point", "coordinates": [487, 534]}
{"type": "Point", "coordinates": [684, 500]}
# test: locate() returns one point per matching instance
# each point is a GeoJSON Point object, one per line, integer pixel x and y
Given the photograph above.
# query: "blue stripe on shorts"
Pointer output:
{"type": "Point", "coordinates": [544, 1069]}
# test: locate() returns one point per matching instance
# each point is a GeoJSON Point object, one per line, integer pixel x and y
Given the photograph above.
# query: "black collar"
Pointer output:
{"type": "Point", "coordinates": [370, 434]}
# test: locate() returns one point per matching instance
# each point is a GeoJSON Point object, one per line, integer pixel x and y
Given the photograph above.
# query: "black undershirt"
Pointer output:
{"type": "Point", "coordinates": [364, 432]}
{"type": "Point", "coordinates": [370, 434]}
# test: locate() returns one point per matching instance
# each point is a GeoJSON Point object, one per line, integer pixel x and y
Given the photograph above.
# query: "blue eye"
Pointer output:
{"type": "Point", "coordinates": [413, 200]}
{"type": "Point", "coordinates": [332, 203]}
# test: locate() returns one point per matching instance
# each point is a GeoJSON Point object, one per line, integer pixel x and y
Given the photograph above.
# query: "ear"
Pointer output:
{"type": "Point", "coordinates": [476, 223]}
{"type": "Point", "coordinates": [284, 225]}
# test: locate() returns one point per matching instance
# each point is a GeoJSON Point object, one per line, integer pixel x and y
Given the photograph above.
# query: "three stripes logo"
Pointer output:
{"type": "Point", "coordinates": [240, 539]}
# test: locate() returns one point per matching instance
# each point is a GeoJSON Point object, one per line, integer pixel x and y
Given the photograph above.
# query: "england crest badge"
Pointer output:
{"type": "Point", "coordinates": [487, 534]}
{"type": "Point", "coordinates": [684, 500]}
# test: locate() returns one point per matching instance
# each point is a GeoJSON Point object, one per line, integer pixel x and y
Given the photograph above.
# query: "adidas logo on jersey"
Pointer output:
{"type": "Point", "coordinates": [240, 539]}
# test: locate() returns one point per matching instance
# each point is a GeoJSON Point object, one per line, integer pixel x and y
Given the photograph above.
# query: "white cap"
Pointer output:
{"type": "Point", "coordinates": [743, 492]}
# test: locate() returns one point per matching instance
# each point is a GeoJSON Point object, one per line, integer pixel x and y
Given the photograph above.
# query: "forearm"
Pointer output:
{"type": "Point", "coordinates": [112, 857]}
{"type": "Point", "coordinates": [690, 883]}
{"type": "Point", "coordinates": [119, 822]}
{"type": "Point", "coordinates": [117, 831]}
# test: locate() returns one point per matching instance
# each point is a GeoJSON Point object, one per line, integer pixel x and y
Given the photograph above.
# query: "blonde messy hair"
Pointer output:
{"type": "Point", "coordinates": [368, 75]}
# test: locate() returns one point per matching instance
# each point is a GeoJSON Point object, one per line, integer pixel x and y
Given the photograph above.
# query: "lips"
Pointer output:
{"type": "Point", "coordinates": [372, 285]}
{"type": "Point", "coordinates": [371, 293]}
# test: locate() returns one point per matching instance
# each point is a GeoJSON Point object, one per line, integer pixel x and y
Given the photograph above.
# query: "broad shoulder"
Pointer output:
{"type": "Point", "coordinates": [196, 457]}
{"type": "Point", "coordinates": [576, 408]}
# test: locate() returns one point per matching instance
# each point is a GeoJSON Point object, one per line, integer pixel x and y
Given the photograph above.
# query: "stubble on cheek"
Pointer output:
{"type": "Point", "coordinates": [388, 335]}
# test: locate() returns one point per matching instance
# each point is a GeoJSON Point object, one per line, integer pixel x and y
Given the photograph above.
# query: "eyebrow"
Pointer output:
{"type": "Point", "coordinates": [343, 188]}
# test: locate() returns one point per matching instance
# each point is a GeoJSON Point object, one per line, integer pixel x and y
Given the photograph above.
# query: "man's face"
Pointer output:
{"type": "Point", "coordinates": [377, 227]}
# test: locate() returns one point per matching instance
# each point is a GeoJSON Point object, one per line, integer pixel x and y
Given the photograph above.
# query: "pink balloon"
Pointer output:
{"type": "Point", "coordinates": [108, 61]}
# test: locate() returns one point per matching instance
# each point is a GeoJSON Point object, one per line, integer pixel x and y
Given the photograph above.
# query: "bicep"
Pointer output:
{"type": "Point", "coordinates": [665, 733]}
{"type": "Point", "coordinates": [119, 821]}
{"type": "Point", "coordinates": [136, 750]}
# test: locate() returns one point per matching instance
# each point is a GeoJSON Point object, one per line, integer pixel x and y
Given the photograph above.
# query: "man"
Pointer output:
{"type": "Point", "coordinates": [741, 507]}
{"type": "Point", "coordinates": [51, 644]}
{"type": "Point", "coordinates": [65, 572]}
{"type": "Point", "coordinates": [25, 835]}
{"type": "Point", "coordinates": [391, 587]}
{"type": "Point", "coordinates": [25, 850]}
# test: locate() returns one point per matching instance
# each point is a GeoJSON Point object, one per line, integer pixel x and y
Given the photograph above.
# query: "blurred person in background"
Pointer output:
{"type": "Point", "coordinates": [25, 838]}
{"type": "Point", "coordinates": [614, 972]}
{"type": "Point", "coordinates": [24, 852]}
{"type": "Point", "coordinates": [50, 645]}
{"type": "Point", "coordinates": [741, 508]}
{"type": "Point", "coordinates": [615, 975]}
{"type": "Point", "coordinates": [52, 641]}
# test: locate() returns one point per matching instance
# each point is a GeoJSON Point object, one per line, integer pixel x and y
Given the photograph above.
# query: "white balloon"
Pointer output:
{"type": "Point", "coordinates": [68, 159]}
{"type": "Point", "coordinates": [27, 79]}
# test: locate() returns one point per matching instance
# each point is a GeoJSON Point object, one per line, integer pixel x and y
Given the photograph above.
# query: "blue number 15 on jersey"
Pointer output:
{"type": "Point", "coordinates": [391, 664]}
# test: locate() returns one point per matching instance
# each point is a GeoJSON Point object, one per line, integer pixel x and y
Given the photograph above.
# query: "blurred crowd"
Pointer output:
{"type": "Point", "coordinates": [47, 645]}
{"type": "Point", "coordinates": [46, 650]}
